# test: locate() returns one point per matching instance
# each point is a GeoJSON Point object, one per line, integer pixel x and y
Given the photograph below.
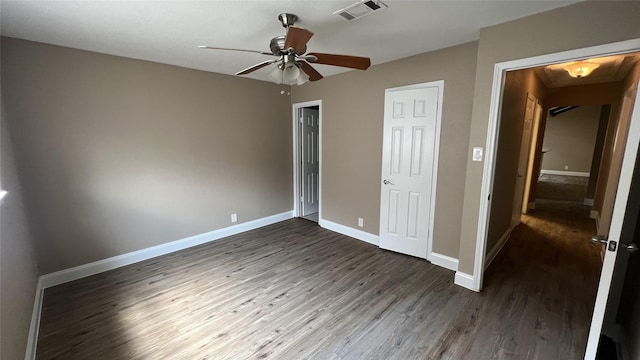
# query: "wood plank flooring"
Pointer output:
{"type": "Point", "coordinates": [296, 291]}
{"type": "Point", "coordinates": [562, 188]}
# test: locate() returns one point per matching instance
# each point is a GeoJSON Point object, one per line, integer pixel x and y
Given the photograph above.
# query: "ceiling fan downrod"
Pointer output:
{"type": "Point", "coordinates": [287, 19]}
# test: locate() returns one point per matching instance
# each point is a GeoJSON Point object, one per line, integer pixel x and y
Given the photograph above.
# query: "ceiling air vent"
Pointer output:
{"type": "Point", "coordinates": [361, 9]}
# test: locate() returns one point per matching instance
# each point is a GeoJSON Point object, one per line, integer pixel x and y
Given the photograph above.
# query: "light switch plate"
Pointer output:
{"type": "Point", "coordinates": [477, 154]}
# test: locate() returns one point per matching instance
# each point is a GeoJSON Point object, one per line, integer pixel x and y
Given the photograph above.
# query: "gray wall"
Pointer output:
{"type": "Point", "coordinates": [353, 117]}
{"type": "Point", "coordinates": [118, 155]}
{"type": "Point", "coordinates": [566, 28]}
{"type": "Point", "coordinates": [18, 276]}
{"type": "Point", "coordinates": [571, 136]}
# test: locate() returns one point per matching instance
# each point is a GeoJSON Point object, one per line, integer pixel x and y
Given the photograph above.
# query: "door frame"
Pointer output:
{"type": "Point", "coordinates": [528, 180]}
{"type": "Point", "coordinates": [500, 70]}
{"type": "Point", "coordinates": [297, 169]}
{"type": "Point", "coordinates": [440, 259]}
{"type": "Point", "coordinates": [518, 197]}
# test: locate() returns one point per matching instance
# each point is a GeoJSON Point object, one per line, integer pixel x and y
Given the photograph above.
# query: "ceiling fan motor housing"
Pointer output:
{"type": "Point", "coordinates": [277, 46]}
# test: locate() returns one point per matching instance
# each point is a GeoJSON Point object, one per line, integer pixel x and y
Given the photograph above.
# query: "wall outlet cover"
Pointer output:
{"type": "Point", "coordinates": [360, 222]}
{"type": "Point", "coordinates": [234, 218]}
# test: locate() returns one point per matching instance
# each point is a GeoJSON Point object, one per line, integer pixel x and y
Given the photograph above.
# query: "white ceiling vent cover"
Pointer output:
{"type": "Point", "coordinates": [361, 9]}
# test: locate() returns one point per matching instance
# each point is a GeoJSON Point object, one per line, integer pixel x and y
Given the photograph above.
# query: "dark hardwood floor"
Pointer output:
{"type": "Point", "coordinates": [296, 291]}
{"type": "Point", "coordinates": [562, 188]}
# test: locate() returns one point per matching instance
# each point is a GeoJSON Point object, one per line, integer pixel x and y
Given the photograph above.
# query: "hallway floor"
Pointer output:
{"type": "Point", "coordinates": [549, 271]}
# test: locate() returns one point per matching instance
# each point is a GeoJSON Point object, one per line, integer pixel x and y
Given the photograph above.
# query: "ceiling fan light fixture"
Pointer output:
{"type": "Point", "coordinates": [580, 69]}
{"type": "Point", "coordinates": [302, 78]}
{"type": "Point", "coordinates": [276, 75]}
{"type": "Point", "coordinates": [290, 72]}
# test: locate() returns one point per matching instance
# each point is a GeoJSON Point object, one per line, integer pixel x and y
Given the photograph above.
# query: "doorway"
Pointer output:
{"type": "Point", "coordinates": [307, 154]}
{"type": "Point", "coordinates": [493, 175]}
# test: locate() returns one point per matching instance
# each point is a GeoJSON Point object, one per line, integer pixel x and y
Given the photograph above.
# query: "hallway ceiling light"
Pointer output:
{"type": "Point", "coordinates": [580, 69]}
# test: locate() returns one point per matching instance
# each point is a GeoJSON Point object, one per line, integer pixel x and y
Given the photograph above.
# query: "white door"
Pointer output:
{"type": "Point", "coordinates": [310, 157]}
{"type": "Point", "coordinates": [523, 162]}
{"type": "Point", "coordinates": [410, 121]}
{"type": "Point", "coordinates": [615, 230]}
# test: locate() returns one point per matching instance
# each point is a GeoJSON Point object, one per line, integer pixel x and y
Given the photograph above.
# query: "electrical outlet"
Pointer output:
{"type": "Point", "coordinates": [566, 167]}
{"type": "Point", "coordinates": [360, 222]}
{"type": "Point", "coordinates": [234, 217]}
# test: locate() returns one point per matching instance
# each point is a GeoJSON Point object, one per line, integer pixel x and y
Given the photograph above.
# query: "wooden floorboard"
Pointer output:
{"type": "Point", "coordinates": [296, 291]}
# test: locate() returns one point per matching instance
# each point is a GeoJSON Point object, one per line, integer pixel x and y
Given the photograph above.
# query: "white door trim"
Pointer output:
{"type": "Point", "coordinates": [297, 210]}
{"type": "Point", "coordinates": [489, 165]}
{"type": "Point", "coordinates": [436, 154]}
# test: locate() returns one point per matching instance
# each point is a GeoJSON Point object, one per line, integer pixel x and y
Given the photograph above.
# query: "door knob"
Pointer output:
{"type": "Point", "coordinates": [632, 247]}
{"type": "Point", "coordinates": [599, 239]}
{"type": "Point", "coordinates": [387, 182]}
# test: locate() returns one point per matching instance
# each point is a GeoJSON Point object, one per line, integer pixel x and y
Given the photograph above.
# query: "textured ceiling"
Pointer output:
{"type": "Point", "coordinates": [170, 31]}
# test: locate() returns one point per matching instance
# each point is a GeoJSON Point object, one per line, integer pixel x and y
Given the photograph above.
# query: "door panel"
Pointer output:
{"type": "Point", "coordinates": [310, 163]}
{"type": "Point", "coordinates": [407, 169]}
{"type": "Point", "coordinates": [618, 221]}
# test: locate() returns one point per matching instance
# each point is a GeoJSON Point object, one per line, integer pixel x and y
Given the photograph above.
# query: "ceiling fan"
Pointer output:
{"type": "Point", "coordinates": [292, 59]}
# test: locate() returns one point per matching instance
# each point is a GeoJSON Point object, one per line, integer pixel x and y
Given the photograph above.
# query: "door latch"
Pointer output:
{"type": "Point", "coordinates": [632, 247]}
{"type": "Point", "coordinates": [612, 246]}
{"type": "Point", "coordinates": [599, 239]}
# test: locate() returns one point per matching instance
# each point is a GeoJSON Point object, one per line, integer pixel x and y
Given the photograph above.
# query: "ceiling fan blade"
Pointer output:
{"type": "Point", "coordinates": [243, 50]}
{"type": "Point", "coordinates": [297, 39]}
{"type": "Point", "coordinates": [314, 75]}
{"type": "Point", "coordinates": [256, 67]}
{"type": "Point", "coordinates": [354, 62]}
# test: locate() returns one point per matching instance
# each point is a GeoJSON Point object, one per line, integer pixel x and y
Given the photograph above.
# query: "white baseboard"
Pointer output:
{"type": "Point", "coordinates": [34, 326]}
{"type": "Point", "coordinates": [588, 202]}
{"type": "Point", "coordinates": [78, 272]}
{"type": "Point", "coordinates": [497, 247]}
{"type": "Point", "coordinates": [465, 280]}
{"type": "Point", "coordinates": [565, 173]}
{"type": "Point", "coordinates": [445, 261]}
{"type": "Point", "coordinates": [349, 231]}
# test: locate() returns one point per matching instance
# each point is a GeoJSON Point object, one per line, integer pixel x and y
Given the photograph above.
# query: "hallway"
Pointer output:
{"type": "Point", "coordinates": [550, 271]}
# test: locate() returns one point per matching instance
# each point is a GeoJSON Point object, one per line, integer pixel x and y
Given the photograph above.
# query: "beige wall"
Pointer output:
{"type": "Point", "coordinates": [603, 122]}
{"type": "Point", "coordinates": [605, 194]}
{"type": "Point", "coordinates": [352, 107]}
{"type": "Point", "coordinates": [577, 26]}
{"type": "Point", "coordinates": [516, 87]}
{"type": "Point", "coordinates": [571, 136]}
{"type": "Point", "coordinates": [118, 155]}
{"type": "Point", "coordinates": [18, 275]}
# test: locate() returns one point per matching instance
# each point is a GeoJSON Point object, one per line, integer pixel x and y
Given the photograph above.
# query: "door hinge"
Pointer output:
{"type": "Point", "coordinates": [301, 199]}
{"type": "Point", "coordinates": [300, 120]}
